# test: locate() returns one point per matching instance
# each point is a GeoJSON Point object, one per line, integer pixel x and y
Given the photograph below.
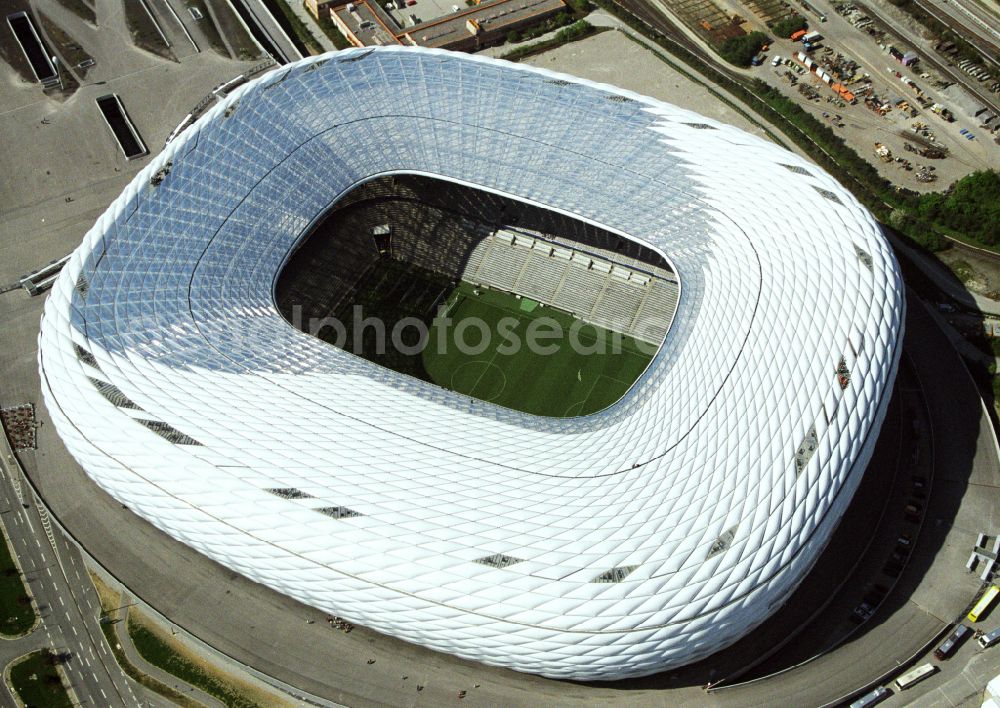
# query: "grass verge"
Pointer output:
{"type": "Point", "coordinates": [141, 678]}
{"type": "Point", "coordinates": [164, 651]}
{"type": "Point", "coordinates": [962, 270]}
{"type": "Point", "coordinates": [578, 30]}
{"type": "Point", "coordinates": [69, 49]}
{"type": "Point", "coordinates": [293, 25]}
{"type": "Point", "coordinates": [208, 26]}
{"type": "Point", "coordinates": [228, 25]}
{"type": "Point", "coordinates": [81, 9]}
{"type": "Point", "coordinates": [17, 615]}
{"type": "Point", "coordinates": [111, 600]}
{"type": "Point", "coordinates": [36, 681]}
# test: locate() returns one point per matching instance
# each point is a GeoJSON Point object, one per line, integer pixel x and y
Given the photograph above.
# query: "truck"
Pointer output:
{"type": "Point", "coordinates": [812, 37]}
{"type": "Point", "coordinates": [796, 36]}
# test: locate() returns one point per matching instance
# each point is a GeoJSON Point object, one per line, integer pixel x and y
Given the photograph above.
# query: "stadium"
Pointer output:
{"type": "Point", "coordinates": [593, 514]}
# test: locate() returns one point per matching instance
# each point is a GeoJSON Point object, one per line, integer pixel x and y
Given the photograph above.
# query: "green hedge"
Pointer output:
{"type": "Point", "coordinates": [970, 207]}
{"type": "Point", "coordinates": [577, 30]}
{"type": "Point", "coordinates": [17, 615]}
{"type": "Point", "coordinates": [560, 19]}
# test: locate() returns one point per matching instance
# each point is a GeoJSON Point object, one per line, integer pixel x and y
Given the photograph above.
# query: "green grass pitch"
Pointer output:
{"type": "Point", "coordinates": [570, 381]}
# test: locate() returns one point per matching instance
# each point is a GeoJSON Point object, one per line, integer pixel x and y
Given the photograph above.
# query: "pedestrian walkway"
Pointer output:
{"type": "Point", "coordinates": [300, 11]}
{"type": "Point", "coordinates": [136, 659]}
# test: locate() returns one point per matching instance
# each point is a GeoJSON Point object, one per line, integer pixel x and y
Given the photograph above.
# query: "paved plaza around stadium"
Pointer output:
{"type": "Point", "coordinates": [214, 603]}
{"type": "Point", "coordinates": [621, 58]}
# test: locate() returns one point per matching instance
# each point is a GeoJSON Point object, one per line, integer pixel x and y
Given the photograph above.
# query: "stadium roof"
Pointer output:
{"type": "Point", "coordinates": [645, 536]}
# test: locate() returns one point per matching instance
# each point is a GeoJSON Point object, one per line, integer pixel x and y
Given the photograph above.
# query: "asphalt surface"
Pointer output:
{"type": "Point", "coordinates": [282, 638]}
{"type": "Point", "coordinates": [963, 504]}
{"type": "Point", "coordinates": [233, 614]}
{"type": "Point", "coordinates": [132, 654]}
{"type": "Point", "coordinates": [66, 600]}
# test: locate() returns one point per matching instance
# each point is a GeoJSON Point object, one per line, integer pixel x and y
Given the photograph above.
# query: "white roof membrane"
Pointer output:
{"type": "Point", "coordinates": [646, 536]}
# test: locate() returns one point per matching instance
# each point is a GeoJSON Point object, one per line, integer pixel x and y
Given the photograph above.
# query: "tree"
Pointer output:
{"type": "Point", "coordinates": [970, 207]}
{"type": "Point", "coordinates": [789, 25]}
{"type": "Point", "coordinates": [741, 50]}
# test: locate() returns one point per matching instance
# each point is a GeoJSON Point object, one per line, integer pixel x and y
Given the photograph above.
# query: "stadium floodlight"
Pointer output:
{"type": "Point", "coordinates": [645, 536]}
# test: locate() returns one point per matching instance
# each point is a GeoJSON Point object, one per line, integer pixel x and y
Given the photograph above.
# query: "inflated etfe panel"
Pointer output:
{"type": "Point", "coordinates": [642, 537]}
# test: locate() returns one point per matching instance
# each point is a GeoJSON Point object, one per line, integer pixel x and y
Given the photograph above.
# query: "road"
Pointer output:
{"type": "Point", "coordinates": [65, 598]}
{"type": "Point", "coordinates": [265, 28]}
{"type": "Point", "coordinates": [212, 602]}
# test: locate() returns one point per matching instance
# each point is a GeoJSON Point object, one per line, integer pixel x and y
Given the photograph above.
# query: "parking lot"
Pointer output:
{"type": "Point", "coordinates": [68, 164]}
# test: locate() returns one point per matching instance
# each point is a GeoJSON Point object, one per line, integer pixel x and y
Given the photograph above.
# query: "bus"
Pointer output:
{"type": "Point", "coordinates": [914, 676]}
{"type": "Point", "coordinates": [984, 603]}
{"type": "Point", "coordinates": [949, 644]}
{"type": "Point", "coordinates": [871, 698]}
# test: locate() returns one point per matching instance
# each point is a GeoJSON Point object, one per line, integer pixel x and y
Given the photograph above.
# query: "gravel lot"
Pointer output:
{"type": "Point", "coordinates": [613, 58]}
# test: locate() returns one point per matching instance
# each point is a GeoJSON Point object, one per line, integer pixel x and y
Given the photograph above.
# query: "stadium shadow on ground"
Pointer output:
{"type": "Point", "coordinates": [481, 294]}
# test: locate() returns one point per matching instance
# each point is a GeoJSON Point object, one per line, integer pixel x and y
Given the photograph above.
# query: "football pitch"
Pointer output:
{"type": "Point", "coordinates": [583, 371]}
{"type": "Point", "coordinates": [478, 343]}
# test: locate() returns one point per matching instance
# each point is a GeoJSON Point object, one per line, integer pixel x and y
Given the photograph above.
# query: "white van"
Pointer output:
{"type": "Point", "coordinates": [989, 639]}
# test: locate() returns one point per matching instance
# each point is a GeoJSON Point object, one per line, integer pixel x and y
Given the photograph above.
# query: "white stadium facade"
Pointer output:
{"type": "Point", "coordinates": [642, 537]}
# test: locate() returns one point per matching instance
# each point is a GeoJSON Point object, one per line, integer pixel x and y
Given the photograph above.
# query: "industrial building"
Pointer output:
{"type": "Point", "coordinates": [433, 23]}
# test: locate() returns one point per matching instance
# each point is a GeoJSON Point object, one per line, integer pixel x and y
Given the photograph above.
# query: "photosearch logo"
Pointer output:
{"type": "Point", "coordinates": [473, 335]}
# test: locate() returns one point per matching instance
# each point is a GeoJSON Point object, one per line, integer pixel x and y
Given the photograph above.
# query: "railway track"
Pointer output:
{"type": "Point", "coordinates": [987, 47]}
{"type": "Point", "coordinates": [988, 100]}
